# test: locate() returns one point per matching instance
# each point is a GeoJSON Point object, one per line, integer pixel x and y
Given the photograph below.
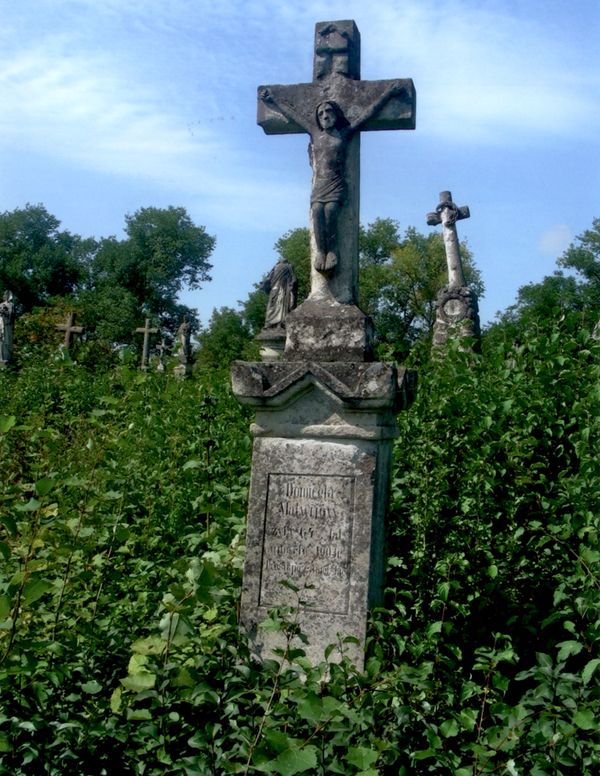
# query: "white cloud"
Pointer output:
{"type": "Point", "coordinates": [555, 240]}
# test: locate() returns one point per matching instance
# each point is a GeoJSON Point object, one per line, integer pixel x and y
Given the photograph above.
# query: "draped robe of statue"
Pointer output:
{"type": "Point", "coordinates": [282, 287]}
{"type": "Point", "coordinates": [7, 320]}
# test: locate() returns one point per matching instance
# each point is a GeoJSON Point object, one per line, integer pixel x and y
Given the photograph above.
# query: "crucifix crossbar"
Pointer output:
{"type": "Point", "coordinates": [334, 109]}
{"type": "Point", "coordinates": [69, 329]}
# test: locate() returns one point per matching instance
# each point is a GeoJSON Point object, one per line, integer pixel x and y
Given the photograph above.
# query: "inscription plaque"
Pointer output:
{"type": "Point", "coordinates": [307, 539]}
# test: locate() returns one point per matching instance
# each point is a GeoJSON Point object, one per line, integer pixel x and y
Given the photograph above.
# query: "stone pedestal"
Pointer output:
{"type": "Point", "coordinates": [320, 479]}
{"type": "Point", "coordinates": [272, 343]}
{"type": "Point", "coordinates": [457, 316]}
{"type": "Point", "coordinates": [183, 371]}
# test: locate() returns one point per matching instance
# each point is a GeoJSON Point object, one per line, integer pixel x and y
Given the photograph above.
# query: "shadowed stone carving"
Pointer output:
{"type": "Point", "coordinates": [7, 323]}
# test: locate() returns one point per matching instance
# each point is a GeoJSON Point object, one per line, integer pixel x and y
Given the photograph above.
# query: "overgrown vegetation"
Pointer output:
{"type": "Point", "coordinates": [122, 511]}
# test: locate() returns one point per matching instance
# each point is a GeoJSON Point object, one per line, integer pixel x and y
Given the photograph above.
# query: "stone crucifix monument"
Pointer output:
{"type": "Point", "coordinates": [457, 310]}
{"type": "Point", "coordinates": [325, 413]}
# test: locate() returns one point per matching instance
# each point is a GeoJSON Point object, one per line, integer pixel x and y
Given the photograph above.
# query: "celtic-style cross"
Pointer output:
{"type": "Point", "coordinates": [447, 214]}
{"type": "Point", "coordinates": [334, 109]}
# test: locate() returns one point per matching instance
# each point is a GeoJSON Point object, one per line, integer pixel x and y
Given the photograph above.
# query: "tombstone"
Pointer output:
{"type": "Point", "coordinates": [184, 349]}
{"type": "Point", "coordinates": [70, 331]}
{"type": "Point", "coordinates": [281, 285]}
{"type": "Point", "coordinates": [146, 330]}
{"type": "Point", "coordinates": [325, 414]}
{"type": "Point", "coordinates": [457, 310]}
{"type": "Point", "coordinates": [7, 324]}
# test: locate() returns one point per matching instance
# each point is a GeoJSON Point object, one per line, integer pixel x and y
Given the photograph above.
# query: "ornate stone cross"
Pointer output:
{"type": "Point", "coordinates": [69, 329]}
{"type": "Point", "coordinates": [334, 109]}
{"type": "Point", "coordinates": [146, 330]}
{"type": "Point", "coordinates": [457, 309]}
{"type": "Point", "coordinates": [447, 214]}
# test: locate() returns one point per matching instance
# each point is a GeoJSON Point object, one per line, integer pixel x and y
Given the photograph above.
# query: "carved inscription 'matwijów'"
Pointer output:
{"type": "Point", "coordinates": [307, 541]}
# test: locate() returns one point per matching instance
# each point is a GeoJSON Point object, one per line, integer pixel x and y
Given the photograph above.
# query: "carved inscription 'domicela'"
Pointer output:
{"type": "Point", "coordinates": [307, 541]}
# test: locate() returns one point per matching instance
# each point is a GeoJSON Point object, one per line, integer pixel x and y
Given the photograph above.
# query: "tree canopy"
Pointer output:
{"type": "Point", "coordinates": [399, 278]}
{"type": "Point", "coordinates": [571, 295]}
{"type": "Point", "coordinates": [112, 283]}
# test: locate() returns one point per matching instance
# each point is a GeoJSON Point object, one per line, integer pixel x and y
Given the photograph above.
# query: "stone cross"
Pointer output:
{"type": "Point", "coordinates": [69, 329]}
{"type": "Point", "coordinates": [447, 214]}
{"type": "Point", "coordinates": [334, 109]}
{"type": "Point", "coordinates": [146, 330]}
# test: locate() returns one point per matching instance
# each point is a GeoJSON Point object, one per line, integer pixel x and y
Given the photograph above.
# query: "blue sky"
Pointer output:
{"type": "Point", "coordinates": [113, 105]}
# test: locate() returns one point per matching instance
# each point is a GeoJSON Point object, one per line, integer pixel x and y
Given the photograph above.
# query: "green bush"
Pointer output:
{"type": "Point", "coordinates": [122, 505]}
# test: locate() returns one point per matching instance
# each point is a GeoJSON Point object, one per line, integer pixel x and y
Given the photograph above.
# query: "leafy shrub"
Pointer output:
{"type": "Point", "coordinates": [123, 506]}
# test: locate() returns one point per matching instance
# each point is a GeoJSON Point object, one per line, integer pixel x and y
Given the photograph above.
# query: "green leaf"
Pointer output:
{"type": "Point", "coordinates": [5, 607]}
{"type": "Point", "coordinates": [585, 719]}
{"type": "Point", "coordinates": [6, 423]}
{"type": "Point", "coordinates": [115, 700]}
{"type": "Point", "coordinates": [9, 524]}
{"type": "Point", "coordinates": [449, 728]}
{"type": "Point", "coordinates": [30, 506]}
{"type": "Point", "coordinates": [434, 628]}
{"type": "Point", "coordinates": [44, 486]}
{"type": "Point", "coordinates": [35, 589]}
{"type": "Point", "coordinates": [568, 648]}
{"type": "Point", "coordinates": [589, 669]}
{"type": "Point", "coordinates": [141, 715]}
{"type": "Point", "coordinates": [295, 761]}
{"type": "Point", "coordinates": [361, 757]}
{"type": "Point", "coordinates": [139, 682]}
{"type": "Point", "coordinates": [4, 550]}
{"type": "Point", "coordinates": [92, 687]}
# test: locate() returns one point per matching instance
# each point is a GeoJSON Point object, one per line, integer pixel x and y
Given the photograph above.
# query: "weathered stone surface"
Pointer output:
{"type": "Point", "coordinates": [457, 310]}
{"type": "Point", "coordinates": [457, 316]}
{"type": "Point", "coordinates": [333, 110]}
{"type": "Point", "coordinates": [69, 329]}
{"type": "Point", "coordinates": [360, 386]}
{"type": "Point", "coordinates": [326, 415]}
{"type": "Point", "coordinates": [272, 343]}
{"type": "Point", "coordinates": [320, 473]}
{"type": "Point", "coordinates": [320, 479]}
{"type": "Point", "coordinates": [146, 330]}
{"type": "Point", "coordinates": [315, 520]}
{"type": "Point", "coordinates": [325, 330]}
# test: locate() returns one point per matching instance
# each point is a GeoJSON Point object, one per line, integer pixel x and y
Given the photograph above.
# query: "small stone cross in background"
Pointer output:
{"type": "Point", "coordinates": [146, 330]}
{"type": "Point", "coordinates": [69, 329]}
{"type": "Point", "coordinates": [457, 309]}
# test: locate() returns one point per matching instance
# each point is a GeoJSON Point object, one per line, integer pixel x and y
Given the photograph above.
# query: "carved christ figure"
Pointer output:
{"type": "Point", "coordinates": [330, 132]}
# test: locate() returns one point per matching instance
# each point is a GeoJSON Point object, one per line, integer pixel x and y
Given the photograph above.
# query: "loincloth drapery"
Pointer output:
{"type": "Point", "coordinates": [331, 189]}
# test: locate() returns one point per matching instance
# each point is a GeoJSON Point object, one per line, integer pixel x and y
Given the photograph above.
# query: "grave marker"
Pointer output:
{"type": "Point", "coordinates": [69, 329]}
{"type": "Point", "coordinates": [457, 310]}
{"type": "Point", "coordinates": [146, 330]}
{"type": "Point", "coordinates": [325, 415]}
